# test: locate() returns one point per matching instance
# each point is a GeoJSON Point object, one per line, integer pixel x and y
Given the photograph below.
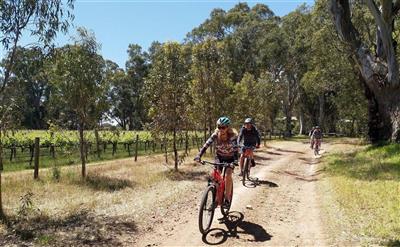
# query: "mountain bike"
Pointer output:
{"type": "Point", "coordinates": [214, 195]}
{"type": "Point", "coordinates": [247, 159]}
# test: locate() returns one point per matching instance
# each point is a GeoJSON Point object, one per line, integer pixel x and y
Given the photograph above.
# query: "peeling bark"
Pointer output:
{"type": "Point", "coordinates": [379, 74]}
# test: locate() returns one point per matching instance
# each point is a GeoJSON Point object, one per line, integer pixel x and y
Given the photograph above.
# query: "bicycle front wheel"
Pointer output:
{"type": "Point", "coordinates": [207, 208]}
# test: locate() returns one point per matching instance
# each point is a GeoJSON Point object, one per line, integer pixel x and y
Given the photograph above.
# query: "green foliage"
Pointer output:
{"type": "Point", "coordinates": [329, 82]}
{"type": "Point", "coordinates": [29, 73]}
{"type": "Point", "coordinates": [167, 89]}
{"type": "Point", "coordinates": [56, 173]}
{"type": "Point", "coordinates": [26, 207]}
{"type": "Point", "coordinates": [236, 59]}
{"type": "Point", "coordinates": [210, 87]}
{"type": "Point", "coordinates": [126, 95]}
{"type": "Point", "coordinates": [77, 78]}
{"type": "Point", "coordinates": [246, 98]}
{"type": "Point", "coordinates": [42, 19]}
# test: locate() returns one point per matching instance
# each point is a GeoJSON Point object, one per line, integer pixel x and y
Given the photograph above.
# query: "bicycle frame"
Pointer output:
{"type": "Point", "coordinates": [214, 193]}
{"type": "Point", "coordinates": [219, 181]}
{"type": "Point", "coordinates": [248, 153]}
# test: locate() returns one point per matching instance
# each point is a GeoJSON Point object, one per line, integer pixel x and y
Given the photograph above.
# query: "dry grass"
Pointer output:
{"type": "Point", "coordinates": [118, 191]}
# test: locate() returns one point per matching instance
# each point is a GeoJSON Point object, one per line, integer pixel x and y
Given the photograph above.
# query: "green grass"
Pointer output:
{"type": "Point", "coordinates": [366, 186]}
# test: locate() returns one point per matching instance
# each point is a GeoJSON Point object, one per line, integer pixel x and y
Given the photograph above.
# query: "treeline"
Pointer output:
{"type": "Point", "coordinates": [242, 62]}
{"type": "Point", "coordinates": [288, 73]}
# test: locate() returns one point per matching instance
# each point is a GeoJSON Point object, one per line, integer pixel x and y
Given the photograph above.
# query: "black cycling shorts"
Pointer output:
{"type": "Point", "coordinates": [221, 159]}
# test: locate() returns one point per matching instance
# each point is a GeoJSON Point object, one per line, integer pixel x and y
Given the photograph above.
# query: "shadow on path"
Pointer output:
{"type": "Point", "coordinates": [288, 151]}
{"type": "Point", "coordinates": [236, 227]}
{"type": "Point", "coordinates": [254, 182]}
{"type": "Point", "coordinates": [268, 152]}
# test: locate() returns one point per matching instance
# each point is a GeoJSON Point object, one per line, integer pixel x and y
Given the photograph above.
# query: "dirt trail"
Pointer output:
{"type": "Point", "coordinates": [284, 210]}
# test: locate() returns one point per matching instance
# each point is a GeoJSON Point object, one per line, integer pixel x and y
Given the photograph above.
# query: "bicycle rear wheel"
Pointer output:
{"type": "Point", "coordinates": [245, 171]}
{"type": "Point", "coordinates": [207, 208]}
{"type": "Point", "coordinates": [225, 210]}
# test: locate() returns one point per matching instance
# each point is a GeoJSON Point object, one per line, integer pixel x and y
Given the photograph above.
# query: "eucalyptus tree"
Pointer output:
{"type": "Point", "coordinates": [136, 68]}
{"type": "Point", "coordinates": [29, 71]}
{"type": "Point", "coordinates": [119, 95]}
{"type": "Point", "coordinates": [210, 86]}
{"type": "Point", "coordinates": [77, 77]}
{"type": "Point", "coordinates": [239, 29]}
{"type": "Point", "coordinates": [247, 101]}
{"type": "Point", "coordinates": [377, 62]}
{"type": "Point", "coordinates": [42, 19]}
{"type": "Point", "coordinates": [294, 63]}
{"type": "Point", "coordinates": [167, 92]}
{"type": "Point", "coordinates": [329, 83]}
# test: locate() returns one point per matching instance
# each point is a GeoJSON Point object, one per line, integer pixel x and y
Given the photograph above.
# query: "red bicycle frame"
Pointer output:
{"type": "Point", "coordinates": [218, 179]}
{"type": "Point", "coordinates": [248, 153]}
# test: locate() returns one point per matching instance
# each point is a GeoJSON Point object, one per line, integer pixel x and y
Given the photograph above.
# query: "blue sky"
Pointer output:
{"type": "Point", "coordinates": [118, 23]}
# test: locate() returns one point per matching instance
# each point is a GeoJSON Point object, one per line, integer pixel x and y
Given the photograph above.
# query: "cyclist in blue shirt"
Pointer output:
{"type": "Point", "coordinates": [251, 138]}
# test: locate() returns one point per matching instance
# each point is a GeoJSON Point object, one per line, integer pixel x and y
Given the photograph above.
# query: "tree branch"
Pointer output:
{"type": "Point", "coordinates": [396, 7]}
{"type": "Point", "coordinates": [385, 30]}
{"type": "Point", "coordinates": [342, 20]}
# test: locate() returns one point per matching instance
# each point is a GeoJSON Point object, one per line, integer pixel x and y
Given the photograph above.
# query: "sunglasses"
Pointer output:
{"type": "Point", "coordinates": [222, 127]}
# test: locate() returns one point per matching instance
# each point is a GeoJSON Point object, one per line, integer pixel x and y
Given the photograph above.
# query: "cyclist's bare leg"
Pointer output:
{"type": "Point", "coordinates": [241, 163]}
{"type": "Point", "coordinates": [252, 160]}
{"type": "Point", "coordinates": [228, 183]}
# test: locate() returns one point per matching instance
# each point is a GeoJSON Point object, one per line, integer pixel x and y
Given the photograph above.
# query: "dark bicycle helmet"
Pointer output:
{"type": "Point", "coordinates": [248, 120]}
{"type": "Point", "coordinates": [223, 121]}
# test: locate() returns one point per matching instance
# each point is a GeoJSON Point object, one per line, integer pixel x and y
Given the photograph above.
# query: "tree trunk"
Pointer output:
{"type": "Point", "coordinates": [1, 170]}
{"type": "Point", "coordinates": [389, 114]}
{"type": "Point", "coordinates": [205, 131]}
{"type": "Point", "coordinates": [378, 73]}
{"type": "Point", "coordinates": [301, 122]}
{"type": "Point", "coordinates": [175, 151]}
{"type": "Point", "coordinates": [82, 149]}
{"type": "Point", "coordinates": [352, 129]}
{"type": "Point", "coordinates": [165, 146]}
{"type": "Point", "coordinates": [288, 120]}
{"type": "Point", "coordinates": [98, 150]}
{"type": "Point", "coordinates": [321, 100]}
{"type": "Point", "coordinates": [209, 134]}
{"type": "Point", "coordinates": [272, 126]}
{"type": "Point", "coordinates": [1, 200]}
{"type": "Point", "coordinates": [379, 122]}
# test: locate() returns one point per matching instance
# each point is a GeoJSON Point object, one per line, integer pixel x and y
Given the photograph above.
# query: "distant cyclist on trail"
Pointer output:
{"type": "Point", "coordinates": [226, 149]}
{"type": "Point", "coordinates": [251, 138]}
{"type": "Point", "coordinates": [317, 136]}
